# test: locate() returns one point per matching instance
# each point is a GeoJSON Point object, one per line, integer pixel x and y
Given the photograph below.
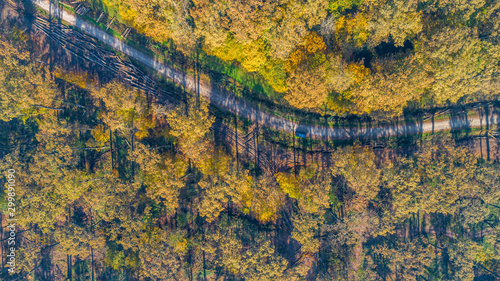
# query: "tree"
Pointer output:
{"type": "Point", "coordinates": [76, 240]}
{"type": "Point", "coordinates": [158, 258]}
{"type": "Point", "coordinates": [398, 20]}
{"type": "Point", "coordinates": [463, 254]}
{"type": "Point", "coordinates": [406, 259]}
{"type": "Point", "coordinates": [315, 191]}
{"type": "Point", "coordinates": [124, 109]}
{"type": "Point", "coordinates": [50, 176]}
{"type": "Point", "coordinates": [261, 263]}
{"type": "Point", "coordinates": [313, 43]}
{"type": "Point", "coordinates": [461, 64]}
{"type": "Point", "coordinates": [357, 165]}
{"type": "Point", "coordinates": [344, 242]}
{"type": "Point", "coordinates": [266, 200]}
{"type": "Point", "coordinates": [225, 246]}
{"type": "Point", "coordinates": [311, 188]}
{"type": "Point", "coordinates": [392, 86]}
{"type": "Point", "coordinates": [290, 184]}
{"type": "Point", "coordinates": [253, 57]}
{"type": "Point", "coordinates": [305, 231]}
{"type": "Point", "coordinates": [158, 19]}
{"type": "Point", "coordinates": [160, 174]}
{"type": "Point", "coordinates": [23, 88]}
{"type": "Point", "coordinates": [340, 6]}
{"type": "Point", "coordinates": [229, 186]}
{"type": "Point", "coordinates": [439, 179]}
{"type": "Point", "coordinates": [307, 89]}
{"type": "Point", "coordinates": [461, 9]}
{"type": "Point", "coordinates": [247, 20]}
{"type": "Point", "coordinates": [189, 124]}
{"type": "Point", "coordinates": [352, 29]}
{"type": "Point", "coordinates": [291, 23]}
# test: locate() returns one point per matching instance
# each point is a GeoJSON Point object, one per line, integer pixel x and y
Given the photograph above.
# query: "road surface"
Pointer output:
{"type": "Point", "coordinates": [249, 111]}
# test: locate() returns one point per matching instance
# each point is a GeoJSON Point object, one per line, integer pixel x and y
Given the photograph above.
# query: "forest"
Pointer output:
{"type": "Point", "coordinates": [113, 183]}
{"type": "Point", "coordinates": [337, 56]}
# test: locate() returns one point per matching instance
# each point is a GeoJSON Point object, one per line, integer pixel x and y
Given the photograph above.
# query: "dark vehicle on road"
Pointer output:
{"type": "Point", "coordinates": [300, 134]}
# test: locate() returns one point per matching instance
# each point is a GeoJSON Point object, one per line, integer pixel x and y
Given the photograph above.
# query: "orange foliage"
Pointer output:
{"type": "Point", "coordinates": [312, 43]}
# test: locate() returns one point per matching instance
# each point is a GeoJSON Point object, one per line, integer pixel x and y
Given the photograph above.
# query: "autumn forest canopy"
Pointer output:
{"type": "Point", "coordinates": [115, 183]}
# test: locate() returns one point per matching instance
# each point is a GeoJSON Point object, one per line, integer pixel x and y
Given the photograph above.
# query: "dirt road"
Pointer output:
{"type": "Point", "coordinates": [249, 111]}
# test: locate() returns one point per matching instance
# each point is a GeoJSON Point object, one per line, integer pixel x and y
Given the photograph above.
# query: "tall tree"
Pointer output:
{"type": "Point", "coordinates": [24, 89]}
{"type": "Point", "coordinates": [124, 109]}
{"type": "Point", "coordinates": [160, 174]}
{"type": "Point", "coordinates": [189, 124]}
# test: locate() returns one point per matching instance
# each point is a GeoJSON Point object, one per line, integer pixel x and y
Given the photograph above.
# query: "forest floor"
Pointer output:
{"type": "Point", "coordinates": [235, 105]}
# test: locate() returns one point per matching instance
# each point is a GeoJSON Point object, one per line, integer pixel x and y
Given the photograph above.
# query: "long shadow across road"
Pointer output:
{"type": "Point", "coordinates": [249, 111]}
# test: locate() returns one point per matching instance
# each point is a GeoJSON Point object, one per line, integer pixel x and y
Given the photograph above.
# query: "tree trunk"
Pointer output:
{"type": "Point", "coordinates": [294, 160]}
{"type": "Point", "coordinates": [92, 262]}
{"type": "Point", "coordinates": [236, 140]}
{"type": "Point", "coordinates": [68, 263]}
{"type": "Point", "coordinates": [133, 163]}
{"type": "Point", "coordinates": [111, 144]}
{"type": "Point", "coordinates": [487, 135]}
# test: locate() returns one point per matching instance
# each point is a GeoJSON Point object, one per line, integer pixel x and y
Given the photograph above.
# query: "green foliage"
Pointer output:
{"type": "Point", "coordinates": [339, 7]}
{"type": "Point", "coordinates": [254, 57]}
{"type": "Point", "coordinates": [118, 259]}
{"type": "Point", "coordinates": [339, 102]}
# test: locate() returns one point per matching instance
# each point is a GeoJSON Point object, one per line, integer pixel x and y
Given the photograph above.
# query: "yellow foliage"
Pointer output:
{"type": "Point", "coordinates": [408, 259]}
{"type": "Point", "coordinates": [124, 109]}
{"type": "Point", "coordinates": [462, 64]}
{"type": "Point", "coordinates": [307, 88]}
{"type": "Point", "coordinates": [253, 58]}
{"type": "Point", "coordinates": [304, 231]}
{"type": "Point", "coordinates": [358, 71]}
{"type": "Point", "coordinates": [391, 87]}
{"type": "Point", "coordinates": [312, 43]}
{"type": "Point", "coordinates": [289, 184]}
{"type": "Point", "coordinates": [225, 186]}
{"type": "Point", "coordinates": [357, 165]}
{"type": "Point", "coordinates": [339, 102]}
{"type": "Point", "coordinates": [315, 193]}
{"type": "Point", "coordinates": [100, 134]}
{"type": "Point", "coordinates": [397, 22]}
{"type": "Point", "coordinates": [80, 79]}
{"type": "Point", "coordinates": [50, 174]}
{"type": "Point", "coordinates": [215, 162]}
{"type": "Point", "coordinates": [22, 84]}
{"type": "Point", "coordinates": [223, 243]}
{"type": "Point", "coordinates": [18, 34]}
{"type": "Point", "coordinates": [189, 124]}
{"type": "Point", "coordinates": [440, 179]}
{"type": "Point", "coordinates": [267, 200]}
{"type": "Point", "coordinates": [178, 241]}
{"type": "Point", "coordinates": [352, 29]}
{"type": "Point", "coordinates": [161, 20]}
{"type": "Point", "coordinates": [160, 174]}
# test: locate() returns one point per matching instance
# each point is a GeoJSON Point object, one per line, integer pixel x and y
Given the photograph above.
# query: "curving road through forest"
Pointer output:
{"type": "Point", "coordinates": [251, 112]}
